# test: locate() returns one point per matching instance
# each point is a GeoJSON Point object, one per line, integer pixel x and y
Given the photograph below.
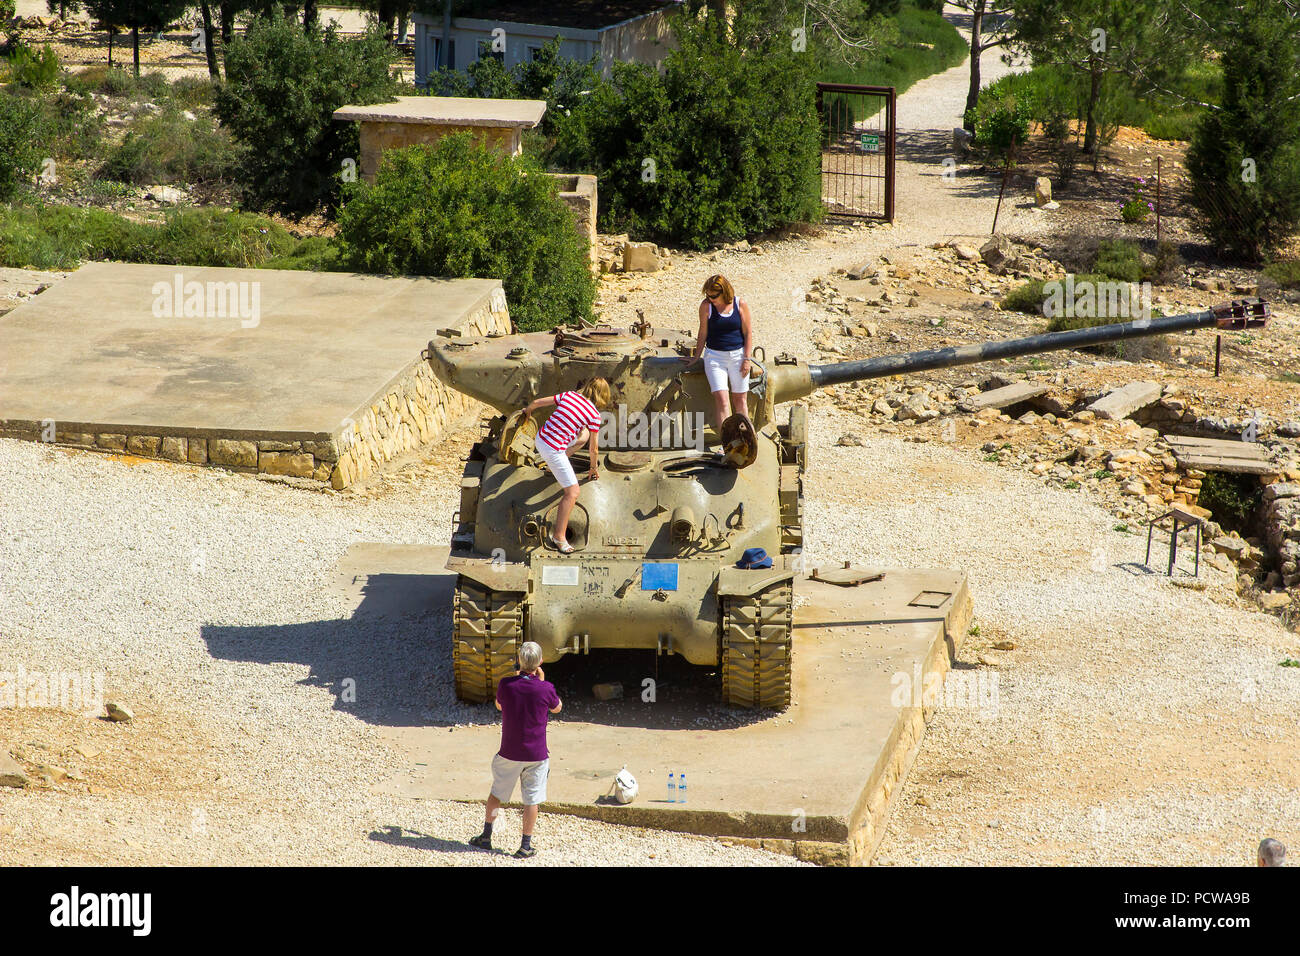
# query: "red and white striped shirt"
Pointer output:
{"type": "Point", "coordinates": [572, 414]}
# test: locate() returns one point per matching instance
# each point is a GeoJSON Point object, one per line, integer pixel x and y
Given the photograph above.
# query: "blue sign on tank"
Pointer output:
{"type": "Point", "coordinates": [659, 577]}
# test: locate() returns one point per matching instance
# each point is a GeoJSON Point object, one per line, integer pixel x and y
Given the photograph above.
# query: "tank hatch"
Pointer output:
{"type": "Point", "coordinates": [627, 460]}
{"type": "Point", "coordinates": [598, 337]}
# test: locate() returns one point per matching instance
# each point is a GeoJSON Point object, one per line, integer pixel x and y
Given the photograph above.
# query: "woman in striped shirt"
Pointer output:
{"type": "Point", "coordinates": [575, 413]}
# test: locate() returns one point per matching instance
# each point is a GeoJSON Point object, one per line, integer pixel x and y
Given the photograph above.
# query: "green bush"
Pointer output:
{"type": "Point", "coordinates": [36, 71]}
{"type": "Point", "coordinates": [1286, 274]}
{"type": "Point", "coordinates": [458, 209]}
{"type": "Point", "coordinates": [1027, 297]}
{"type": "Point", "coordinates": [723, 143]}
{"type": "Point", "coordinates": [1000, 117]}
{"type": "Point", "coordinates": [168, 148]}
{"type": "Point", "coordinates": [282, 88]}
{"type": "Point", "coordinates": [109, 80]}
{"type": "Point", "coordinates": [1119, 259]}
{"type": "Point", "coordinates": [24, 139]}
{"type": "Point", "coordinates": [62, 237]}
{"type": "Point", "coordinates": [192, 92]}
{"type": "Point", "coordinates": [7, 9]}
{"type": "Point", "coordinates": [1244, 159]}
{"type": "Point", "coordinates": [1232, 499]}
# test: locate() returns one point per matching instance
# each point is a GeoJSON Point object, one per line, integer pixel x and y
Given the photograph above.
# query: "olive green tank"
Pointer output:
{"type": "Point", "coordinates": [657, 536]}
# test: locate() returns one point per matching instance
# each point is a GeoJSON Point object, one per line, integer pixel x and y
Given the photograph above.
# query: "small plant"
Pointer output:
{"type": "Point", "coordinates": [1285, 274]}
{"type": "Point", "coordinates": [1138, 206]}
{"type": "Point", "coordinates": [1289, 662]}
{"type": "Point", "coordinates": [1101, 474]}
{"type": "Point", "coordinates": [1292, 377]}
{"type": "Point", "coordinates": [974, 630]}
{"type": "Point", "coordinates": [992, 456]}
{"type": "Point", "coordinates": [1071, 484]}
{"type": "Point", "coordinates": [1122, 528]}
{"type": "Point", "coordinates": [36, 71]}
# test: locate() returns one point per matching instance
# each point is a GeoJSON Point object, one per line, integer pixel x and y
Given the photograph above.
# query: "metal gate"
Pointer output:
{"type": "Point", "coordinates": [858, 124]}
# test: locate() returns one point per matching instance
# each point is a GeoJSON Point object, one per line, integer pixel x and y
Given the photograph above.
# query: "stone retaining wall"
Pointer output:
{"type": "Point", "coordinates": [408, 413]}
{"type": "Point", "coordinates": [1282, 524]}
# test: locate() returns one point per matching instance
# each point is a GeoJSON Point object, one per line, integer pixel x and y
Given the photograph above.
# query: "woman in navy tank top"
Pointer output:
{"type": "Point", "coordinates": [724, 345]}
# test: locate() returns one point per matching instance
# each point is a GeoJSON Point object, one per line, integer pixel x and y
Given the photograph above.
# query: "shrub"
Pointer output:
{"type": "Point", "coordinates": [1232, 499]}
{"type": "Point", "coordinates": [7, 9]}
{"type": "Point", "coordinates": [282, 88]}
{"type": "Point", "coordinates": [458, 209]}
{"type": "Point", "coordinates": [61, 237]}
{"type": "Point", "coordinates": [1027, 297]}
{"type": "Point", "coordinates": [1285, 273]}
{"type": "Point", "coordinates": [721, 144]}
{"type": "Point", "coordinates": [1000, 118]}
{"type": "Point", "coordinates": [168, 148]}
{"type": "Point", "coordinates": [192, 92]}
{"type": "Point", "coordinates": [23, 143]}
{"type": "Point", "coordinates": [37, 71]}
{"type": "Point", "coordinates": [1119, 259]}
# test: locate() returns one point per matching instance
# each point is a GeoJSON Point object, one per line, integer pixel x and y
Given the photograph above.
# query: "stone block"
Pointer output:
{"type": "Point", "coordinates": [173, 448]}
{"type": "Point", "coordinates": [1042, 191]}
{"type": "Point", "coordinates": [111, 442]}
{"type": "Point", "coordinates": [197, 451]}
{"type": "Point", "coordinates": [146, 446]}
{"type": "Point", "coordinates": [279, 446]}
{"type": "Point", "coordinates": [640, 257]}
{"type": "Point", "coordinates": [296, 464]}
{"type": "Point", "coordinates": [226, 451]}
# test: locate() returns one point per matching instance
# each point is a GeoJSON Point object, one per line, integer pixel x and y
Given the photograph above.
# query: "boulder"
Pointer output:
{"type": "Point", "coordinates": [1042, 191]}
{"type": "Point", "coordinates": [997, 252]}
{"type": "Point", "coordinates": [963, 140]}
{"type": "Point", "coordinates": [11, 772]}
{"type": "Point", "coordinates": [640, 257]}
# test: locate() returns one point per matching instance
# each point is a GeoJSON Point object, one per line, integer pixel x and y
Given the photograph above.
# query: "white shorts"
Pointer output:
{"type": "Point", "coordinates": [722, 369]}
{"type": "Point", "coordinates": [531, 778]}
{"type": "Point", "coordinates": [558, 462]}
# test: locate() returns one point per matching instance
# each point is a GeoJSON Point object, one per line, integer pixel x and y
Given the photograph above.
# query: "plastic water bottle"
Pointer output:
{"type": "Point", "coordinates": [672, 788]}
{"type": "Point", "coordinates": [681, 788]}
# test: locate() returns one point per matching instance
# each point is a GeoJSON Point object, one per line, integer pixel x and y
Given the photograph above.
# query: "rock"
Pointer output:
{"type": "Point", "coordinates": [640, 257]}
{"type": "Point", "coordinates": [173, 449]}
{"type": "Point", "coordinates": [610, 691]}
{"type": "Point", "coordinates": [1042, 191]}
{"type": "Point", "coordinates": [963, 140]}
{"type": "Point", "coordinates": [1051, 206]}
{"type": "Point", "coordinates": [997, 252]}
{"type": "Point", "coordinates": [1274, 600]}
{"type": "Point", "coordinates": [861, 270]}
{"type": "Point", "coordinates": [848, 438]}
{"type": "Point", "coordinates": [966, 253]}
{"type": "Point", "coordinates": [168, 195]}
{"type": "Point", "coordinates": [286, 463]}
{"type": "Point", "coordinates": [225, 451]}
{"type": "Point", "coordinates": [1005, 646]}
{"type": "Point", "coordinates": [52, 774]}
{"type": "Point", "coordinates": [1122, 402]}
{"type": "Point", "coordinates": [1280, 489]}
{"type": "Point", "coordinates": [882, 408]}
{"type": "Point", "coordinates": [1208, 284]}
{"type": "Point", "coordinates": [1289, 430]}
{"type": "Point", "coordinates": [118, 713]}
{"type": "Point", "coordinates": [11, 772]}
{"type": "Point", "coordinates": [145, 446]}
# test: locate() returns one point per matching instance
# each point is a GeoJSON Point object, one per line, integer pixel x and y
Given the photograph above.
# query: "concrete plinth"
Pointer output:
{"type": "Point", "coordinates": [302, 374]}
{"type": "Point", "coordinates": [816, 781]}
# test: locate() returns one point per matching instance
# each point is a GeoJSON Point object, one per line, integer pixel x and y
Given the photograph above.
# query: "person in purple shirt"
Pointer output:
{"type": "Point", "coordinates": [525, 701]}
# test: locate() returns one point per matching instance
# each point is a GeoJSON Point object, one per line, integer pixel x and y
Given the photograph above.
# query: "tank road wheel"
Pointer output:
{"type": "Point", "coordinates": [487, 628]}
{"type": "Point", "coordinates": [757, 648]}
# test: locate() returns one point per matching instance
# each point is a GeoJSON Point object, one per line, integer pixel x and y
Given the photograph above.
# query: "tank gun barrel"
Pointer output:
{"type": "Point", "coordinates": [1239, 314]}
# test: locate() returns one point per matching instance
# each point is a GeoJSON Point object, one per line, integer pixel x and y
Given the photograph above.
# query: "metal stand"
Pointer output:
{"type": "Point", "coordinates": [1187, 520]}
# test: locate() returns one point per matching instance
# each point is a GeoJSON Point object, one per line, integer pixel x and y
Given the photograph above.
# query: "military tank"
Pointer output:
{"type": "Point", "coordinates": [657, 536]}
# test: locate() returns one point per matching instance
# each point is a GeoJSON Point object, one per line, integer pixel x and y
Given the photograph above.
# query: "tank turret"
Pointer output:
{"type": "Point", "coordinates": [657, 537]}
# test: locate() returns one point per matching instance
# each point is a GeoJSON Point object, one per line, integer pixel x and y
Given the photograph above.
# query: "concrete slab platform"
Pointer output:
{"type": "Point", "coordinates": [142, 358]}
{"type": "Point", "coordinates": [816, 781]}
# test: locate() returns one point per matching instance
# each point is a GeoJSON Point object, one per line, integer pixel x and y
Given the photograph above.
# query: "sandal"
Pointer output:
{"type": "Point", "coordinates": [562, 546]}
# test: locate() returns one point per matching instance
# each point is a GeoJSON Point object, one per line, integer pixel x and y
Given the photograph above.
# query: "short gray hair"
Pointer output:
{"type": "Point", "coordinates": [530, 655]}
{"type": "Point", "coordinates": [1271, 853]}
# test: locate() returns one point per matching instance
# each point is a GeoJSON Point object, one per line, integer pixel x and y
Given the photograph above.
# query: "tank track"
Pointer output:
{"type": "Point", "coordinates": [487, 629]}
{"type": "Point", "coordinates": [757, 648]}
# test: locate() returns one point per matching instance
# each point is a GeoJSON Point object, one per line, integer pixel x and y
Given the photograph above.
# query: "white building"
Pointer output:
{"type": "Point", "coordinates": [515, 30]}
